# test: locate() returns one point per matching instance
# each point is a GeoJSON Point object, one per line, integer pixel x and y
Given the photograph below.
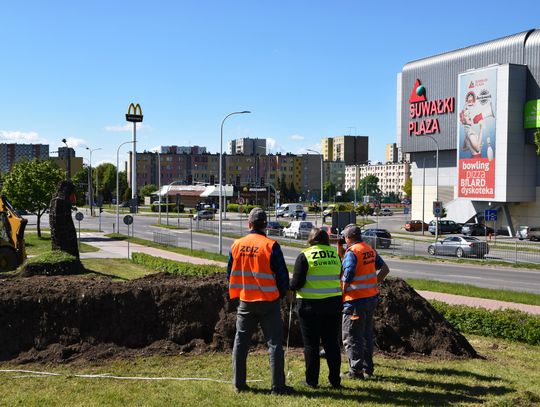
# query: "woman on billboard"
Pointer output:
{"type": "Point", "coordinates": [472, 115]}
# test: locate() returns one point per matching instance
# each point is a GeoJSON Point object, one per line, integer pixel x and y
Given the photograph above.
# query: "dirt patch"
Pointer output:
{"type": "Point", "coordinates": [61, 319]}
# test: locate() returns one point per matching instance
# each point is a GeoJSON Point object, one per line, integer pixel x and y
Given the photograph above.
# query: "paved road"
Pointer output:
{"type": "Point", "coordinates": [482, 276]}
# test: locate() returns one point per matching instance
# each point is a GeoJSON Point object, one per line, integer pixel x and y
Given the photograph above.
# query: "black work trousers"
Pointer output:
{"type": "Point", "coordinates": [317, 327]}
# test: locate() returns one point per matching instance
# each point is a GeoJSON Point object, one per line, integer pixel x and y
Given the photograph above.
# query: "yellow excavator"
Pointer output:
{"type": "Point", "coordinates": [12, 225]}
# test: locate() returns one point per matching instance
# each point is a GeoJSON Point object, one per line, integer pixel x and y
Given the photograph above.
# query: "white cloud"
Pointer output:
{"type": "Point", "coordinates": [21, 136]}
{"type": "Point", "coordinates": [271, 143]}
{"type": "Point", "coordinates": [296, 137]}
{"type": "Point", "coordinates": [156, 148]}
{"type": "Point", "coordinates": [125, 127]}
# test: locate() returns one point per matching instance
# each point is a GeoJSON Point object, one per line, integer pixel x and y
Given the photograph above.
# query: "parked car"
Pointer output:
{"type": "Point", "coordinates": [459, 246]}
{"type": "Point", "coordinates": [386, 212]}
{"type": "Point", "coordinates": [377, 238]}
{"type": "Point", "coordinates": [204, 215]}
{"type": "Point", "coordinates": [298, 229]}
{"type": "Point", "coordinates": [297, 215]}
{"type": "Point", "coordinates": [287, 209]}
{"type": "Point", "coordinates": [445, 226]}
{"type": "Point", "coordinates": [476, 229]}
{"type": "Point", "coordinates": [414, 225]}
{"type": "Point", "coordinates": [274, 228]}
{"type": "Point", "coordinates": [527, 232]}
{"type": "Point", "coordinates": [332, 232]}
{"type": "Point", "coordinates": [328, 211]}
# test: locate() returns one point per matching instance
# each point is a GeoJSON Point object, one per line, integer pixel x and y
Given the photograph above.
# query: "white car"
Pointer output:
{"type": "Point", "coordinates": [298, 229]}
{"type": "Point", "coordinates": [385, 212]}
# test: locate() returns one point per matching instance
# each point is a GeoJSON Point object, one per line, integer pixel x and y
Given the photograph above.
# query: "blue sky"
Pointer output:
{"type": "Point", "coordinates": [306, 69]}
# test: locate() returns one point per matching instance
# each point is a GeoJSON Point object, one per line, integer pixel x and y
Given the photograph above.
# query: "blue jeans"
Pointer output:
{"type": "Point", "coordinates": [357, 330]}
{"type": "Point", "coordinates": [248, 316]}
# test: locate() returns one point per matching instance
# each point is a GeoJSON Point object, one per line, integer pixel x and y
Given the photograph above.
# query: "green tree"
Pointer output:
{"type": "Point", "coordinates": [148, 189]}
{"type": "Point", "coordinates": [122, 185]}
{"type": "Point", "coordinates": [105, 177]}
{"type": "Point", "coordinates": [369, 185]}
{"type": "Point", "coordinates": [30, 185]}
{"type": "Point", "coordinates": [329, 191]}
{"type": "Point", "coordinates": [127, 194]}
{"type": "Point", "coordinates": [283, 189]}
{"type": "Point", "coordinates": [80, 180]}
{"type": "Point", "coordinates": [407, 187]}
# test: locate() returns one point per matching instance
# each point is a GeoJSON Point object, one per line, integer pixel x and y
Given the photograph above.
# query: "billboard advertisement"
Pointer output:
{"type": "Point", "coordinates": [476, 130]}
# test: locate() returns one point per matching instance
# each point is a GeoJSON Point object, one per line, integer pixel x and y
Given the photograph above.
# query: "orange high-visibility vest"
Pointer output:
{"type": "Point", "coordinates": [251, 277]}
{"type": "Point", "coordinates": [364, 283]}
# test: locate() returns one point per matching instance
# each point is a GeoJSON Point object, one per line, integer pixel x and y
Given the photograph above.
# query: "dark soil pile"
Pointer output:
{"type": "Point", "coordinates": [67, 318]}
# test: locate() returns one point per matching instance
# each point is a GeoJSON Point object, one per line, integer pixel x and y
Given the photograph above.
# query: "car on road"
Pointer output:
{"type": "Point", "coordinates": [386, 212]}
{"type": "Point", "coordinates": [328, 211]}
{"type": "Point", "coordinates": [297, 214]}
{"type": "Point", "coordinates": [377, 238]}
{"type": "Point", "coordinates": [204, 215]}
{"type": "Point", "coordinates": [459, 246]}
{"type": "Point", "coordinates": [274, 228]}
{"type": "Point", "coordinates": [332, 232]}
{"type": "Point", "coordinates": [527, 232]}
{"type": "Point", "coordinates": [476, 229]}
{"type": "Point", "coordinates": [445, 226]}
{"type": "Point", "coordinates": [298, 229]}
{"type": "Point", "coordinates": [415, 225]}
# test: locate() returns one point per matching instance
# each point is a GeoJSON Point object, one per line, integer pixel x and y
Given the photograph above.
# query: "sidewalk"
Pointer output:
{"type": "Point", "coordinates": [118, 249]}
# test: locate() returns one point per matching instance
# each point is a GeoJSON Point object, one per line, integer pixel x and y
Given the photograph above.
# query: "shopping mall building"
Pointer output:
{"type": "Point", "coordinates": [480, 106]}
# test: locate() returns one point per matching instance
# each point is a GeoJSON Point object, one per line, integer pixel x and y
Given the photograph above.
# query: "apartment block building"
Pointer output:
{"type": "Point", "coordinates": [348, 149]}
{"type": "Point", "coordinates": [391, 176]}
{"type": "Point", "coordinates": [10, 153]}
{"type": "Point", "coordinates": [247, 146]}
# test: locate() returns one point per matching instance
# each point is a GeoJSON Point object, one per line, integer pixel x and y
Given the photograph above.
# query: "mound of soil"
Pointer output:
{"type": "Point", "coordinates": [68, 318]}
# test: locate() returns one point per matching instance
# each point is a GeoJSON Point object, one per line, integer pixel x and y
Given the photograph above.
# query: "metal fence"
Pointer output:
{"type": "Point", "coordinates": [505, 249]}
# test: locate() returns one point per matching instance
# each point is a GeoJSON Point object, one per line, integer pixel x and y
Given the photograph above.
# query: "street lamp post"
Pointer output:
{"type": "Point", "coordinates": [220, 207]}
{"type": "Point", "coordinates": [159, 186]}
{"type": "Point", "coordinates": [322, 191]}
{"type": "Point", "coordinates": [68, 163]}
{"type": "Point", "coordinates": [437, 181]}
{"type": "Point", "coordinates": [118, 186]}
{"type": "Point", "coordinates": [90, 192]}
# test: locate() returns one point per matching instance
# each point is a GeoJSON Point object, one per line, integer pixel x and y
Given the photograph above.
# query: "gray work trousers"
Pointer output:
{"type": "Point", "coordinates": [268, 315]}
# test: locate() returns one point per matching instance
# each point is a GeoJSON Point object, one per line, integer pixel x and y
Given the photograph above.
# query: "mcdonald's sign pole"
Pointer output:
{"type": "Point", "coordinates": [134, 115]}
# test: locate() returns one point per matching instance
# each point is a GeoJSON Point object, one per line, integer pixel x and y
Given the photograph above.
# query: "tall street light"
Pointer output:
{"type": "Point", "coordinates": [220, 207]}
{"type": "Point", "coordinates": [159, 186]}
{"type": "Point", "coordinates": [322, 193]}
{"type": "Point", "coordinates": [90, 192]}
{"type": "Point", "coordinates": [437, 190]}
{"type": "Point", "coordinates": [68, 164]}
{"type": "Point", "coordinates": [118, 186]}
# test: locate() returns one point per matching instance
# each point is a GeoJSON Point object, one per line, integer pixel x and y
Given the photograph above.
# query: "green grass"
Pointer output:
{"type": "Point", "coordinates": [401, 381]}
{"type": "Point", "coordinates": [472, 291]}
{"type": "Point", "coordinates": [36, 245]}
{"type": "Point", "coordinates": [117, 269]}
{"type": "Point", "coordinates": [182, 250]}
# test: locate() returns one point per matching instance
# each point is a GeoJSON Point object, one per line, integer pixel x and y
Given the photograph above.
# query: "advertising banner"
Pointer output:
{"type": "Point", "coordinates": [477, 100]}
{"type": "Point", "coordinates": [532, 114]}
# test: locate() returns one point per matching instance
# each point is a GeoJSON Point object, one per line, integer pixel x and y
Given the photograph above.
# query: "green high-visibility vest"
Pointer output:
{"type": "Point", "coordinates": [323, 276]}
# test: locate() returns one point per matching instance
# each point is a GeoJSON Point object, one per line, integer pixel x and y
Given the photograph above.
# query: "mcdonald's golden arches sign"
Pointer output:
{"type": "Point", "coordinates": [134, 113]}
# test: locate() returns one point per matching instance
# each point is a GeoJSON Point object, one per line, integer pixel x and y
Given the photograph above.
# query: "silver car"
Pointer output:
{"type": "Point", "coordinates": [459, 246]}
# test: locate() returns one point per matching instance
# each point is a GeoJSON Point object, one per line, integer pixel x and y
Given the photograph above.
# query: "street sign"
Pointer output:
{"type": "Point", "coordinates": [128, 219]}
{"type": "Point", "coordinates": [437, 209]}
{"type": "Point", "coordinates": [241, 201]}
{"type": "Point", "coordinates": [79, 216]}
{"type": "Point", "coordinates": [490, 214]}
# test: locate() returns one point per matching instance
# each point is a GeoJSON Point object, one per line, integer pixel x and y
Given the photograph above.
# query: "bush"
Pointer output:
{"type": "Point", "coordinates": [172, 207]}
{"type": "Point", "coordinates": [175, 267]}
{"type": "Point", "coordinates": [235, 208]}
{"type": "Point", "coordinates": [52, 263]}
{"type": "Point", "coordinates": [507, 324]}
